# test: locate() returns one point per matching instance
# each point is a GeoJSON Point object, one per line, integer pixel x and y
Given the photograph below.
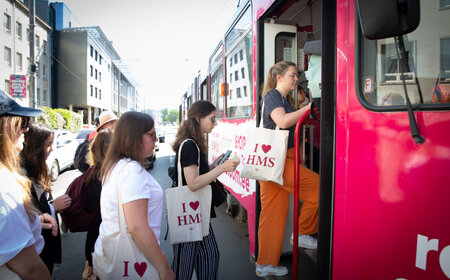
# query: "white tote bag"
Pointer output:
{"type": "Point", "coordinates": [265, 153]}
{"type": "Point", "coordinates": [188, 212]}
{"type": "Point", "coordinates": [121, 257]}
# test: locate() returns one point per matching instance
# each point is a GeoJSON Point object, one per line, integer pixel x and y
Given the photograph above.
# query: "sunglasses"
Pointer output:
{"type": "Point", "coordinates": [25, 123]}
{"type": "Point", "coordinates": [152, 135]}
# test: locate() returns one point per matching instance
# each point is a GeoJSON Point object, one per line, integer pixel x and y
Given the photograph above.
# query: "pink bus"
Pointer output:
{"type": "Point", "coordinates": [382, 146]}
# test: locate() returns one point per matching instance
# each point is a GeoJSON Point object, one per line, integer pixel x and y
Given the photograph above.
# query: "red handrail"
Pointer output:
{"type": "Point", "coordinates": [296, 195]}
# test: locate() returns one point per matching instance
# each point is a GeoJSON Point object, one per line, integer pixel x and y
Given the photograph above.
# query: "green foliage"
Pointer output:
{"type": "Point", "coordinates": [169, 117]}
{"type": "Point", "coordinates": [60, 118]}
{"type": "Point", "coordinates": [173, 116]}
{"type": "Point", "coordinates": [66, 115]}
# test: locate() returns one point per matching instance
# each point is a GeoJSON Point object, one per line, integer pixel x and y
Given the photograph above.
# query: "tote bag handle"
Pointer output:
{"type": "Point", "coordinates": [180, 178]}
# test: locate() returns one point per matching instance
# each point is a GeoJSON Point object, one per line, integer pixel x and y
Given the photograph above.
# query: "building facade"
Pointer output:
{"type": "Point", "coordinates": [15, 45]}
{"type": "Point", "coordinates": [85, 71]}
{"type": "Point", "coordinates": [77, 68]}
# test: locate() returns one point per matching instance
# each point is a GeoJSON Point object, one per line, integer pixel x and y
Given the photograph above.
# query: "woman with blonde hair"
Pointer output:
{"type": "Point", "coordinates": [278, 112]}
{"type": "Point", "coordinates": [20, 225]}
{"type": "Point", "coordinates": [141, 196]}
{"type": "Point", "coordinates": [93, 183]}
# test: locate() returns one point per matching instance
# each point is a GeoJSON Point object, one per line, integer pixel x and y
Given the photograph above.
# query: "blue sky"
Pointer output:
{"type": "Point", "coordinates": [164, 43]}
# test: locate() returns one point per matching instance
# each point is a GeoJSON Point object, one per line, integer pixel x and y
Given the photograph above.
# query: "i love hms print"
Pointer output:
{"type": "Point", "coordinates": [261, 159]}
{"type": "Point", "coordinates": [189, 219]}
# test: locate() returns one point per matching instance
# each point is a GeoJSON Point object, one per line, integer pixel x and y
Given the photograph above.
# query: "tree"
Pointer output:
{"type": "Point", "coordinates": [164, 114]}
{"type": "Point", "coordinates": [173, 116]}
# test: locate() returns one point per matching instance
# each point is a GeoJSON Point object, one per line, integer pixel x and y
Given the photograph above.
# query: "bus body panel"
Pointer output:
{"type": "Point", "coordinates": [232, 136]}
{"type": "Point", "coordinates": [391, 194]}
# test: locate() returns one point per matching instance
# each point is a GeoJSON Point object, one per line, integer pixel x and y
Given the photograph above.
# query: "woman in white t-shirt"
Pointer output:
{"type": "Point", "coordinates": [142, 198]}
{"type": "Point", "coordinates": [20, 225]}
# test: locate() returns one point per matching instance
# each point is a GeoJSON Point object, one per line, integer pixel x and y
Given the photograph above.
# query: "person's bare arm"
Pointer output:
{"type": "Point", "coordinates": [196, 182]}
{"type": "Point", "coordinates": [49, 222]}
{"type": "Point", "coordinates": [28, 265]}
{"type": "Point", "coordinates": [136, 218]}
{"type": "Point", "coordinates": [286, 120]}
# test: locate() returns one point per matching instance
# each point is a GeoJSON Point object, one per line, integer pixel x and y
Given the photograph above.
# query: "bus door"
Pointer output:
{"type": "Point", "coordinates": [280, 43]}
{"type": "Point", "coordinates": [392, 149]}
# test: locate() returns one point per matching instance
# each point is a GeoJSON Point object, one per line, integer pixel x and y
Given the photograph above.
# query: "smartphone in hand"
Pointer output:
{"type": "Point", "coordinates": [227, 155]}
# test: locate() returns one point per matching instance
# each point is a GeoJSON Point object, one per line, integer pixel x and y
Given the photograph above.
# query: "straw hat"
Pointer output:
{"type": "Point", "coordinates": [106, 117]}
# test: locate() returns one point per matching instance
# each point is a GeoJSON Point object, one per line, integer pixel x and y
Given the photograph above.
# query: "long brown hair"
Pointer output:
{"type": "Point", "coordinates": [33, 155]}
{"type": "Point", "coordinates": [97, 153]}
{"type": "Point", "coordinates": [10, 127]}
{"type": "Point", "coordinates": [278, 68]}
{"type": "Point", "coordinates": [190, 128]}
{"type": "Point", "coordinates": [126, 140]}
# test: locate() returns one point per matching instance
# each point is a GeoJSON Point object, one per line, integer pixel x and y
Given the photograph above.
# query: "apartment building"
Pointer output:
{"type": "Point", "coordinates": [15, 45]}
{"type": "Point", "coordinates": [85, 71]}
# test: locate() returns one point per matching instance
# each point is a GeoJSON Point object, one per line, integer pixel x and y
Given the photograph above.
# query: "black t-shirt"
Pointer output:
{"type": "Point", "coordinates": [189, 156]}
{"type": "Point", "coordinates": [272, 100]}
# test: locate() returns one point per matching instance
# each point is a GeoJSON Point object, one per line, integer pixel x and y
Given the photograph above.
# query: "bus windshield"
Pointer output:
{"type": "Point", "coordinates": [427, 73]}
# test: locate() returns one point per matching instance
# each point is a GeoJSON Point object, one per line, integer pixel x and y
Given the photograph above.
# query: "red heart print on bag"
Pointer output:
{"type": "Point", "coordinates": [140, 268]}
{"type": "Point", "coordinates": [194, 205]}
{"type": "Point", "coordinates": [266, 148]}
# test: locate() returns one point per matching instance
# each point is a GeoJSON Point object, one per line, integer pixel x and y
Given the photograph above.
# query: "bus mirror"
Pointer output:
{"type": "Point", "coordinates": [224, 89]}
{"type": "Point", "coordinates": [387, 18]}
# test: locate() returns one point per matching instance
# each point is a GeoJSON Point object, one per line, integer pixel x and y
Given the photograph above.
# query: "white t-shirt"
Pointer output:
{"type": "Point", "coordinates": [16, 231]}
{"type": "Point", "coordinates": [134, 183]}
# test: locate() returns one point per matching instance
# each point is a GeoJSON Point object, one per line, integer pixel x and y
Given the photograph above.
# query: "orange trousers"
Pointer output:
{"type": "Point", "coordinates": [274, 209]}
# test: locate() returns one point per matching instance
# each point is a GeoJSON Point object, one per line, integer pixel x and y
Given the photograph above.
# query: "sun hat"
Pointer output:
{"type": "Point", "coordinates": [106, 117]}
{"type": "Point", "coordinates": [10, 107]}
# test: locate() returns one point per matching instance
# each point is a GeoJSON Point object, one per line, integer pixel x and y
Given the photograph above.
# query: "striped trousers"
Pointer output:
{"type": "Point", "coordinates": [203, 256]}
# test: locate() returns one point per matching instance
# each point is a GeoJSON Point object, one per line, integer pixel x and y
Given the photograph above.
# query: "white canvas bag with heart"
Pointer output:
{"type": "Point", "coordinates": [265, 153]}
{"type": "Point", "coordinates": [121, 257]}
{"type": "Point", "coordinates": [188, 213]}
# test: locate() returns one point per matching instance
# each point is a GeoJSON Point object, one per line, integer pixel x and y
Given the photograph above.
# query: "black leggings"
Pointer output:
{"type": "Point", "coordinates": [92, 237]}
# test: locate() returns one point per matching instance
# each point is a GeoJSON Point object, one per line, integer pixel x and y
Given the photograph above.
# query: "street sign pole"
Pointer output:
{"type": "Point", "coordinates": [32, 82]}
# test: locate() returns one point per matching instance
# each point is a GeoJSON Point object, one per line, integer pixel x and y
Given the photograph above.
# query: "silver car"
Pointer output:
{"type": "Point", "coordinates": [64, 146]}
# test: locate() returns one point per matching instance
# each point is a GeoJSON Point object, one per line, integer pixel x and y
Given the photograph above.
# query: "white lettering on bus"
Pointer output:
{"type": "Point", "coordinates": [424, 245]}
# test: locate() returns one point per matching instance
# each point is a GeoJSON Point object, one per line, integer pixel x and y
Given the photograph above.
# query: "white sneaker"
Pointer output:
{"type": "Point", "coordinates": [305, 241]}
{"type": "Point", "coordinates": [265, 270]}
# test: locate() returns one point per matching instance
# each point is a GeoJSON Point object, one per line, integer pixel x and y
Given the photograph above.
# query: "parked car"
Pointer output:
{"type": "Point", "coordinates": [64, 146]}
{"type": "Point", "coordinates": [160, 132]}
{"type": "Point", "coordinates": [150, 162]}
{"type": "Point", "coordinates": [81, 135]}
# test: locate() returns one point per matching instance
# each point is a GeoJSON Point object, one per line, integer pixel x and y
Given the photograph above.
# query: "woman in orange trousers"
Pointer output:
{"type": "Point", "coordinates": [278, 112]}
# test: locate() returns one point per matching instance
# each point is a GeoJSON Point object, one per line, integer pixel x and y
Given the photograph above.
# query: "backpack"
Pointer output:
{"type": "Point", "coordinates": [76, 216]}
{"type": "Point", "coordinates": [79, 160]}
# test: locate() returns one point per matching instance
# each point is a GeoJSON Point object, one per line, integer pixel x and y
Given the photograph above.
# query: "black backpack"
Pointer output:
{"type": "Point", "coordinates": [79, 160]}
{"type": "Point", "coordinates": [77, 217]}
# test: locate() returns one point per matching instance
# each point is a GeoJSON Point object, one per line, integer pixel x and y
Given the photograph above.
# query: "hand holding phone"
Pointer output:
{"type": "Point", "coordinates": [227, 155]}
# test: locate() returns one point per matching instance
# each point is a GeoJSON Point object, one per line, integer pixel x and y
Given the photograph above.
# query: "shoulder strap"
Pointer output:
{"type": "Point", "coordinates": [122, 228]}
{"type": "Point", "coordinates": [180, 178]}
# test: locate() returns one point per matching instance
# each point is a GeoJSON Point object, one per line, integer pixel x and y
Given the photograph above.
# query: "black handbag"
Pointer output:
{"type": "Point", "coordinates": [218, 193]}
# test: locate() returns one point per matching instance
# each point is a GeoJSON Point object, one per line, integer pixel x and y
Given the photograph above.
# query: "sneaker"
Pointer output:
{"type": "Point", "coordinates": [305, 241]}
{"type": "Point", "coordinates": [265, 270]}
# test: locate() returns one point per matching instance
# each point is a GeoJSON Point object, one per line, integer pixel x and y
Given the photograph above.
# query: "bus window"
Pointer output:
{"type": "Point", "coordinates": [427, 74]}
{"type": "Point", "coordinates": [216, 80]}
{"type": "Point", "coordinates": [239, 64]}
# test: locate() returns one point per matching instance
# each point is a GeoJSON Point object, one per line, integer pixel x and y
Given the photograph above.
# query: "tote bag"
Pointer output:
{"type": "Point", "coordinates": [265, 154]}
{"type": "Point", "coordinates": [188, 213]}
{"type": "Point", "coordinates": [121, 257]}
